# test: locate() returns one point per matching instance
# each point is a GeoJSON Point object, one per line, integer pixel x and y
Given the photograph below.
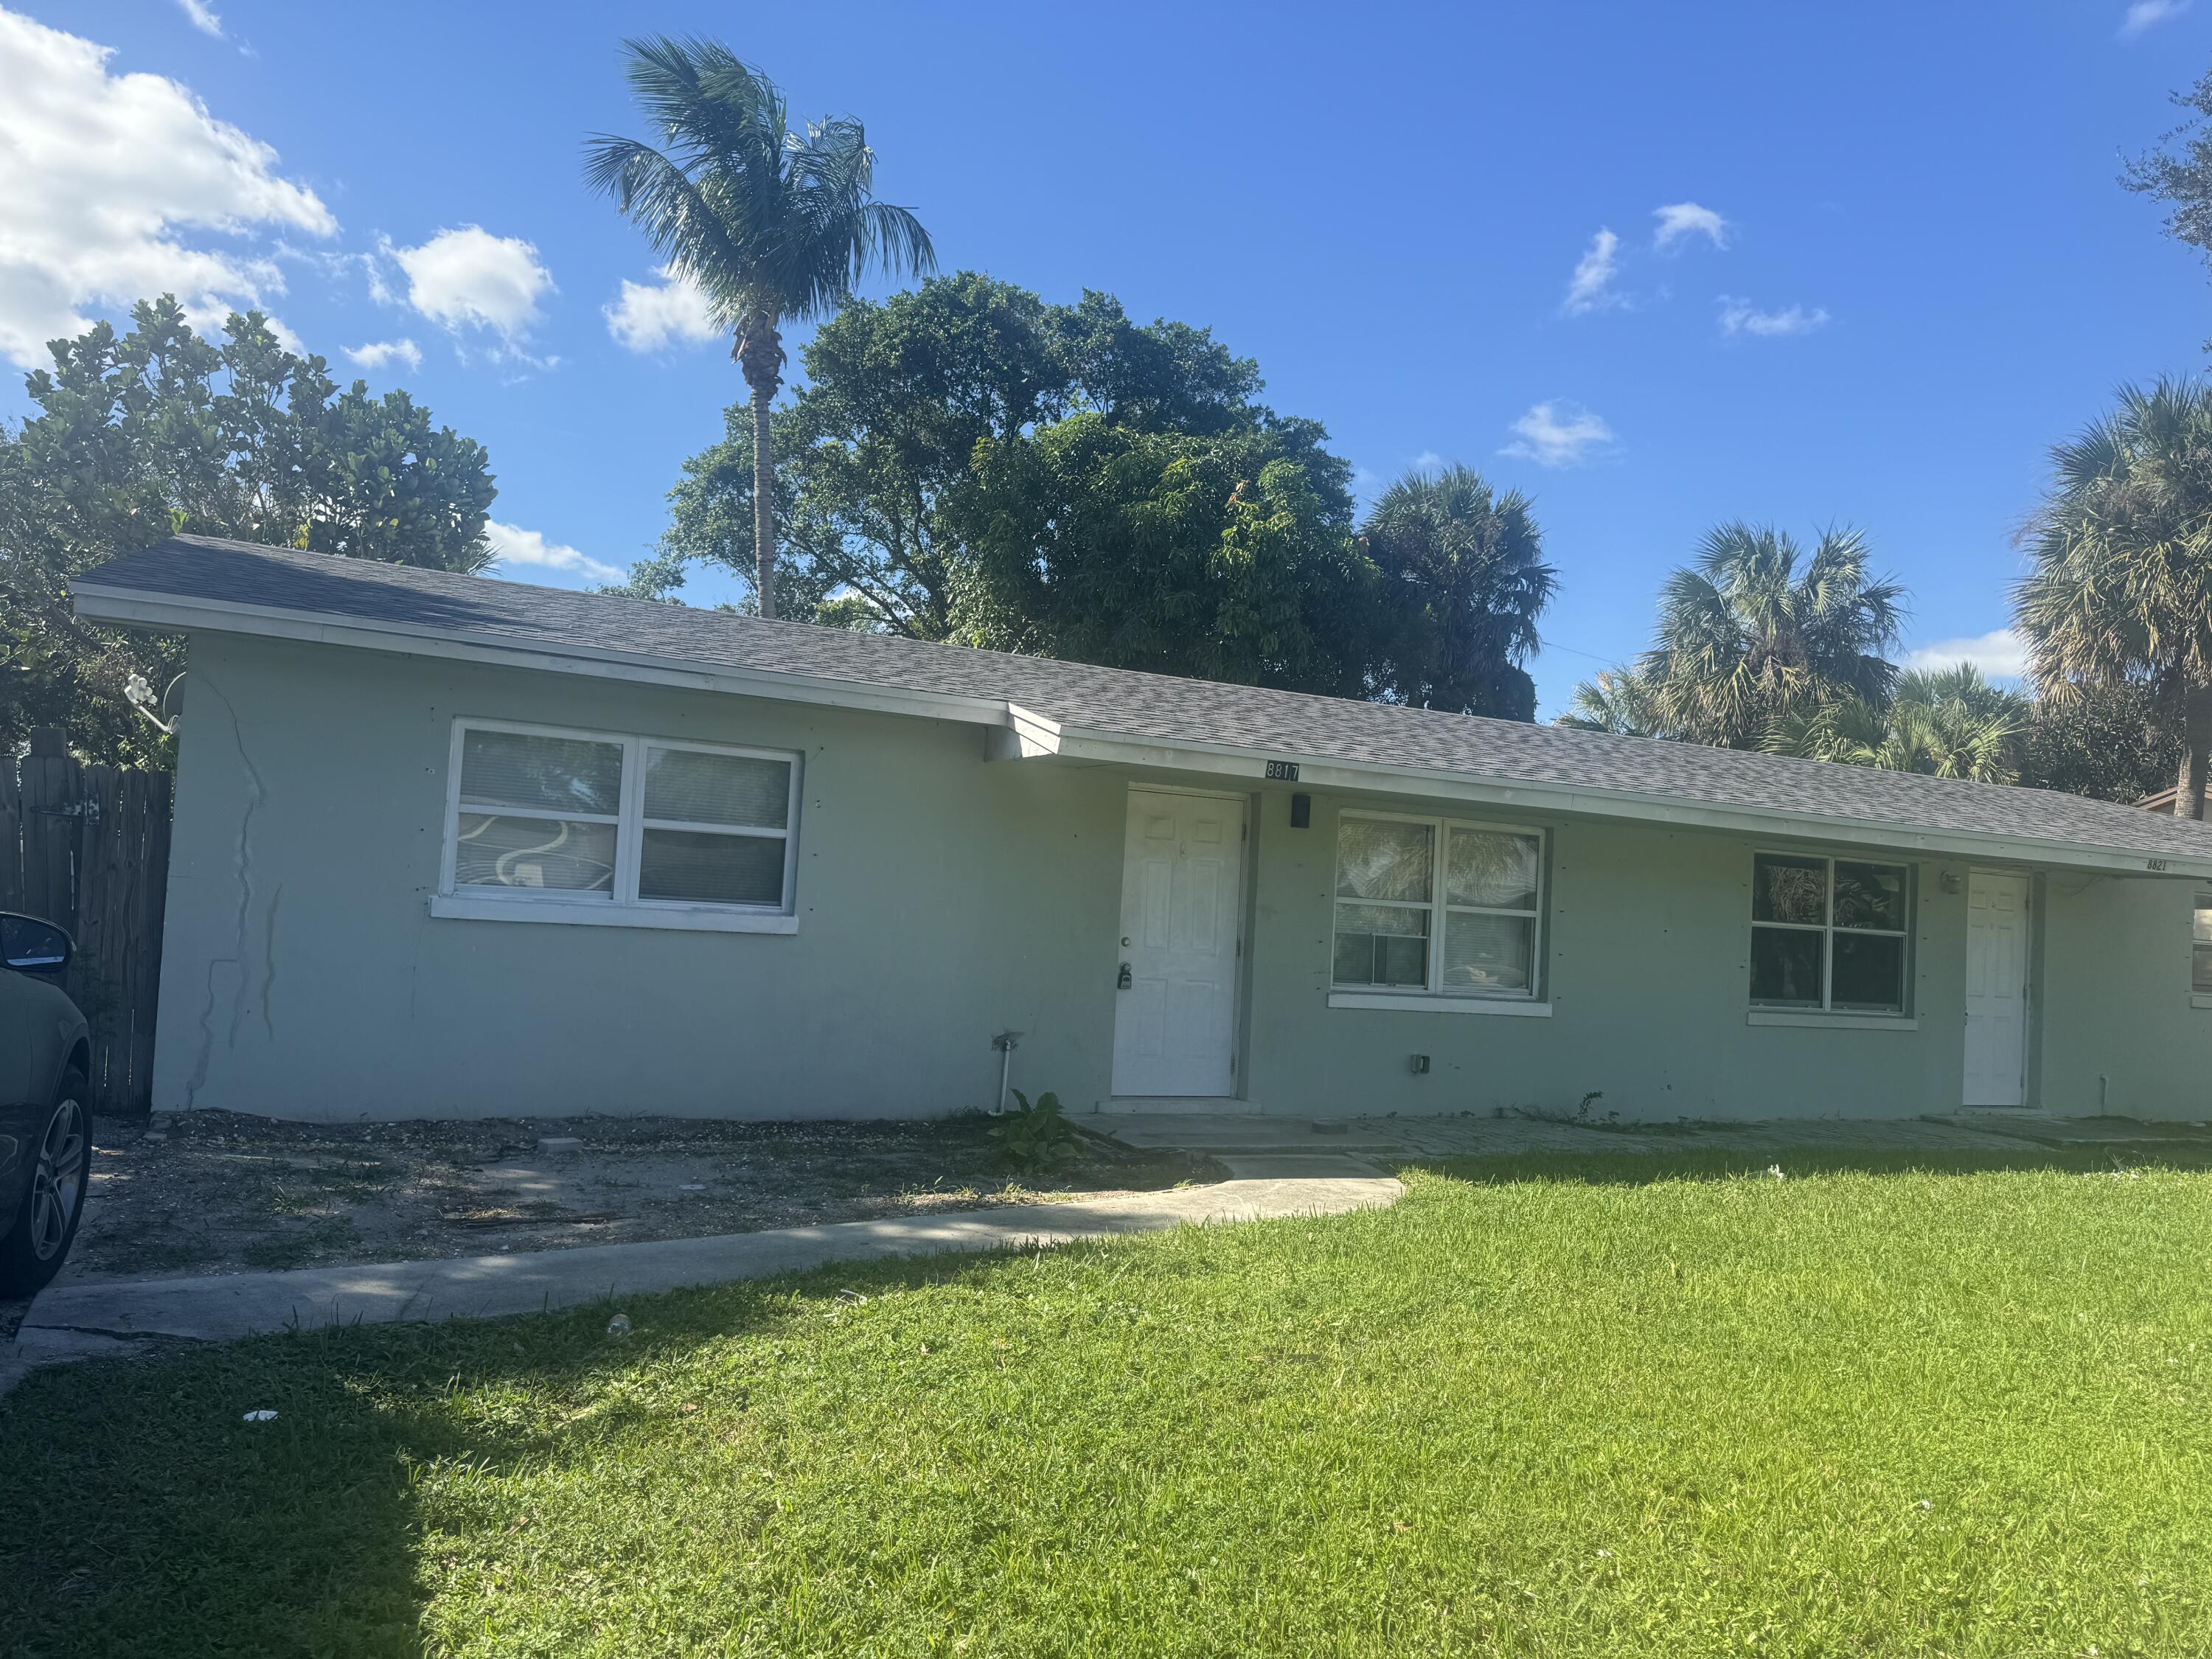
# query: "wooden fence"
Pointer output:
{"type": "Point", "coordinates": [87, 847]}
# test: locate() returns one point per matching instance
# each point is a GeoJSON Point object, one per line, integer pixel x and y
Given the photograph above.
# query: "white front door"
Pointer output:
{"type": "Point", "coordinates": [1182, 903]}
{"type": "Point", "coordinates": [1996, 989]}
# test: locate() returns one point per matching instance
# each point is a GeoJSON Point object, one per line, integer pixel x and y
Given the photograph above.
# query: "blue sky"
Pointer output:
{"type": "Point", "coordinates": [1899, 266]}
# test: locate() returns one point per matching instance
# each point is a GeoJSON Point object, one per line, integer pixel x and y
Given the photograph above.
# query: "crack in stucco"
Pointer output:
{"type": "Point", "coordinates": [257, 793]}
{"type": "Point", "coordinates": [268, 963]}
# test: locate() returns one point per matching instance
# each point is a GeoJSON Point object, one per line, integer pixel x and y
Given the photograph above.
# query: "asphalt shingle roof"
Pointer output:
{"type": "Point", "coordinates": [1120, 702]}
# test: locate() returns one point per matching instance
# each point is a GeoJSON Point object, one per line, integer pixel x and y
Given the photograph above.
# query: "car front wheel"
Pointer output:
{"type": "Point", "coordinates": [35, 1246]}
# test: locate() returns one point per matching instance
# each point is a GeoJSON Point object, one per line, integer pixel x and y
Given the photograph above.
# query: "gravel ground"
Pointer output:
{"type": "Point", "coordinates": [215, 1192]}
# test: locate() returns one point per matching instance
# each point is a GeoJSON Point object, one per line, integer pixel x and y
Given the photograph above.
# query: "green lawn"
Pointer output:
{"type": "Point", "coordinates": [1537, 1408]}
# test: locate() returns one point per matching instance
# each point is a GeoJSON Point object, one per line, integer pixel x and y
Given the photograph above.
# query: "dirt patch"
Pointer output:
{"type": "Point", "coordinates": [215, 1192]}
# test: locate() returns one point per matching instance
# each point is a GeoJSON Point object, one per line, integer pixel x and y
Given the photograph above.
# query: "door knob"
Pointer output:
{"type": "Point", "coordinates": [1122, 981]}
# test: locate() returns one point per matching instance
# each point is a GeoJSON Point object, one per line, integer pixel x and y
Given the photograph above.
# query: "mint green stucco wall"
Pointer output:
{"type": "Point", "coordinates": [943, 897]}
{"type": "Point", "coordinates": [1647, 971]}
{"type": "Point", "coordinates": [2119, 1032]}
{"type": "Point", "coordinates": [940, 900]}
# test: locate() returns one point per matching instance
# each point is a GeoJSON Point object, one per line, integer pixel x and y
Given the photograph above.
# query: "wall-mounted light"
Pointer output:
{"type": "Point", "coordinates": [1301, 811]}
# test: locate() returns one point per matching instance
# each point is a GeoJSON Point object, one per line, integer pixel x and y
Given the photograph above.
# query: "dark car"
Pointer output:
{"type": "Point", "coordinates": [45, 1127]}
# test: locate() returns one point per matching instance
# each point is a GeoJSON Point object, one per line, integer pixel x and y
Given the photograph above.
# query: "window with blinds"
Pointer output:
{"type": "Point", "coordinates": [590, 818]}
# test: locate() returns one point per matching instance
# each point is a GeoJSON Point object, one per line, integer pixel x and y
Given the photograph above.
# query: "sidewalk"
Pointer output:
{"type": "Point", "coordinates": [88, 1320]}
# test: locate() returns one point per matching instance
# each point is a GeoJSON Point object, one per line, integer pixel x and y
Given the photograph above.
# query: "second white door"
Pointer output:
{"type": "Point", "coordinates": [1996, 989]}
{"type": "Point", "coordinates": [1182, 901]}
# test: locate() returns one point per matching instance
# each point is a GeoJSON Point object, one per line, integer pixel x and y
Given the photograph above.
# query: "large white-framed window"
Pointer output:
{"type": "Point", "coordinates": [2200, 951]}
{"type": "Point", "coordinates": [552, 824]}
{"type": "Point", "coordinates": [1436, 907]}
{"type": "Point", "coordinates": [1830, 935]}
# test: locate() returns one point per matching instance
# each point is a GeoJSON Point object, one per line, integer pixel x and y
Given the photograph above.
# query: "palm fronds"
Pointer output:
{"type": "Point", "coordinates": [1754, 632]}
{"type": "Point", "coordinates": [765, 222]}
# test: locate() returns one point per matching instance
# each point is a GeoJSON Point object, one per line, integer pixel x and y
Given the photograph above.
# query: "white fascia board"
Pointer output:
{"type": "Point", "coordinates": [1226, 760]}
{"type": "Point", "coordinates": [1035, 734]}
{"type": "Point", "coordinates": [170, 613]}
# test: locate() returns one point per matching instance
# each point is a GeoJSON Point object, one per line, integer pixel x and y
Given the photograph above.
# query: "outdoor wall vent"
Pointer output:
{"type": "Point", "coordinates": [1418, 1064]}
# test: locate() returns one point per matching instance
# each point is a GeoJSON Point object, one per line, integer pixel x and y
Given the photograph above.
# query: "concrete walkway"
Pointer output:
{"type": "Point", "coordinates": [86, 1319]}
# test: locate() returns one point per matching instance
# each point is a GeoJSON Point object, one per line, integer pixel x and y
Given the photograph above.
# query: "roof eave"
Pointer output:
{"type": "Point", "coordinates": [1584, 800]}
{"type": "Point", "coordinates": [1023, 733]}
{"type": "Point", "coordinates": [170, 613]}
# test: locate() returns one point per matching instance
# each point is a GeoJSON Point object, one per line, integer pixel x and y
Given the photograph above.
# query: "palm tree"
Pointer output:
{"type": "Point", "coordinates": [2121, 588]}
{"type": "Point", "coordinates": [1617, 701]}
{"type": "Point", "coordinates": [1945, 722]}
{"type": "Point", "coordinates": [769, 225]}
{"type": "Point", "coordinates": [1464, 580]}
{"type": "Point", "coordinates": [1746, 638]}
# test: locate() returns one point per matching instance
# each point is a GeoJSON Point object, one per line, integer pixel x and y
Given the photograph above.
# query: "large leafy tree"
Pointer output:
{"type": "Point", "coordinates": [2120, 590]}
{"type": "Point", "coordinates": [1756, 633]}
{"type": "Point", "coordinates": [875, 455]}
{"type": "Point", "coordinates": [143, 434]}
{"type": "Point", "coordinates": [770, 225]}
{"type": "Point", "coordinates": [870, 453]}
{"type": "Point", "coordinates": [968, 462]}
{"type": "Point", "coordinates": [1462, 582]}
{"type": "Point", "coordinates": [1227, 558]}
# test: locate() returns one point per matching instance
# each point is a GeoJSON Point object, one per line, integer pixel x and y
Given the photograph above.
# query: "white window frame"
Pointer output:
{"type": "Point", "coordinates": [1826, 1013]}
{"type": "Point", "coordinates": [1431, 995]}
{"type": "Point", "coordinates": [2203, 901]}
{"type": "Point", "coordinates": [623, 907]}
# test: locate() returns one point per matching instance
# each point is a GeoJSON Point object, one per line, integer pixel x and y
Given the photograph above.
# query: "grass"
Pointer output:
{"type": "Point", "coordinates": [1648, 1404]}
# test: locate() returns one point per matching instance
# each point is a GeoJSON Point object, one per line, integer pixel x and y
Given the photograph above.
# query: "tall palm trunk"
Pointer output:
{"type": "Point", "coordinates": [759, 352]}
{"type": "Point", "coordinates": [2196, 726]}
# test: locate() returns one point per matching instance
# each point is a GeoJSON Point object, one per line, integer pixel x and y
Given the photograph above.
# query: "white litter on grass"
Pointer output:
{"type": "Point", "coordinates": [261, 1417]}
{"type": "Point", "coordinates": [618, 1326]}
{"type": "Point", "coordinates": [1774, 1169]}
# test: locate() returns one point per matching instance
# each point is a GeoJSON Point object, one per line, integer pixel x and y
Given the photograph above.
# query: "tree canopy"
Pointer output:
{"type": "Point", "coordinates": [144, 435]}
{"type": "Point", "coordinates": [968, 462]}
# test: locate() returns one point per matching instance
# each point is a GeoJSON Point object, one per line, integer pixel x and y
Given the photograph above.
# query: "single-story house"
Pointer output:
{"type": "Point", "coordinates": [447, 846]}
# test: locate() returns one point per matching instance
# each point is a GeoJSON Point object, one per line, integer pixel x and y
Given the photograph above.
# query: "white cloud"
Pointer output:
{"type": "Point", "coordinates": [1741, 316]}
{"type": "Point", "coordinates": [1590, 288]}
{"type": "Point", "coordinates": [1681, 219]}
{"type": "Point", "coordinates": [2001, 654]}
{"type": "Point", "coordinates": [514, 545]}
{"type": "Point", "coordinates": [470, 278]}
{"type": "Point", "coordinates": [202, 17]}
{"type": "Point", "coordinates": [98, 173]}
{"type": "Point", "coordinates": [652, 316]}
{"type": "Point", "coordinates": [382, 354]}
{"type": "Point", "coordinates": [2149, 14]}
{"type": "Point", "coordinates": [1558, 433]}
{"type": "Point", "coordinates": [1429, 461]}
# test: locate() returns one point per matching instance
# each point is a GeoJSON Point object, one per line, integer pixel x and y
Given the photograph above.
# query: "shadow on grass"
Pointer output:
{"type": "Point", "coordinates": [1667, 1163]}
{"type": "Point", "coordinates": [144, 1516]}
